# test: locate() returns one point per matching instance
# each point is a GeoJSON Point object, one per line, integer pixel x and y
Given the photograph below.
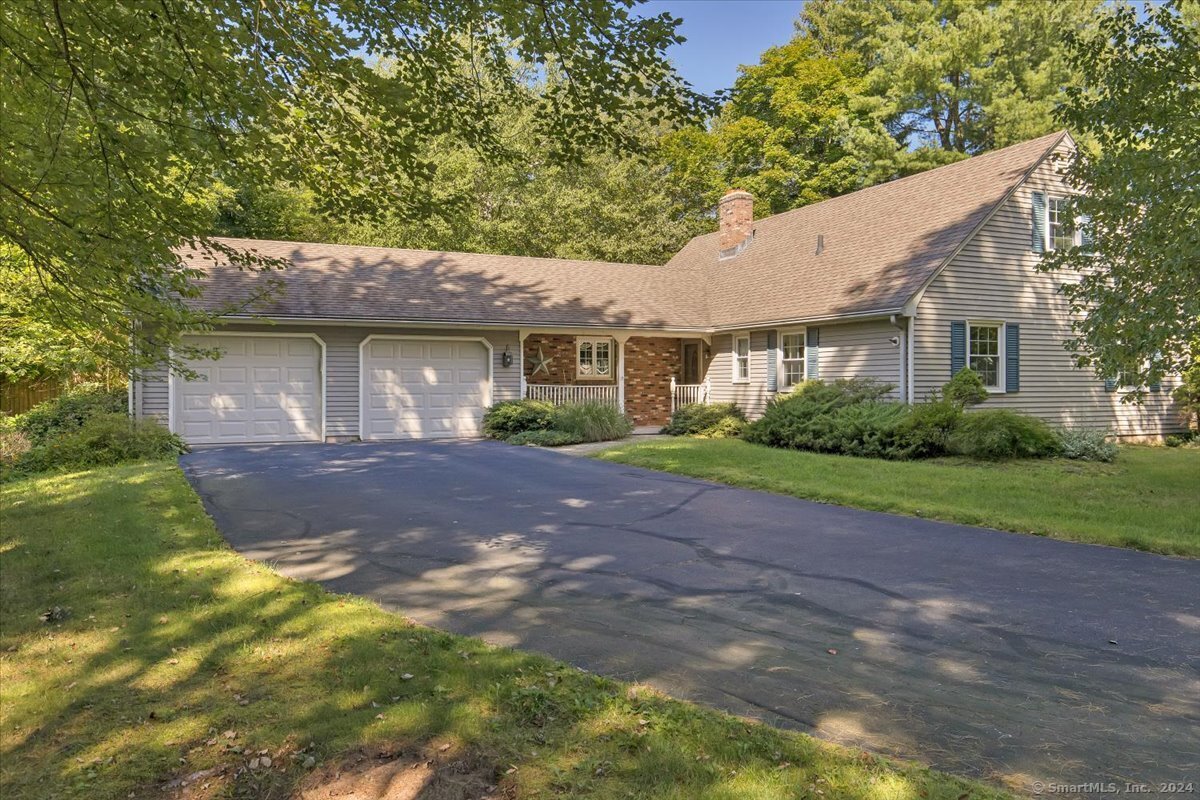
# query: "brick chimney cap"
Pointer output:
{"type": "Point", "coordinates": [736, 191]}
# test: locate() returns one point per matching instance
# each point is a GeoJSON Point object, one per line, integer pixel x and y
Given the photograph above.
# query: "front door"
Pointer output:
{"type": "Point", "coordinates": [691, 362]}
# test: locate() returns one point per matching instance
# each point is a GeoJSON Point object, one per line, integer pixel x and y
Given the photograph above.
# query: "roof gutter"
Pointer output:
{"type": "Point", "coordinates": [882, 313]}
{"type": "Point", "coordinates": [452, 323]}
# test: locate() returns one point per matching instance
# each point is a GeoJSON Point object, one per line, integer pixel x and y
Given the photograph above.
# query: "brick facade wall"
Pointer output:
{"type": "Point", "coordinates": [650, 363]}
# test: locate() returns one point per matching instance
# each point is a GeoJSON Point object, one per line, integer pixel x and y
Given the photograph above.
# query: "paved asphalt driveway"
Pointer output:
{"type": "Point", "coordinates": [998, 655]}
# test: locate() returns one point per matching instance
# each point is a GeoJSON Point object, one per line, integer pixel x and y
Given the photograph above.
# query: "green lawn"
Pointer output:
{"type": "Point", "coordinates": [176, 655]}
{"type": "Point", "coordinates": [1147, 499]}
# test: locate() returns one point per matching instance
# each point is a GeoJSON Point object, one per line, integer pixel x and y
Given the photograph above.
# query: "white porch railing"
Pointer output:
{"type": "Point", "coordinates": [683, 394]}
{"type": "Point", "coordinates": [566, 394]}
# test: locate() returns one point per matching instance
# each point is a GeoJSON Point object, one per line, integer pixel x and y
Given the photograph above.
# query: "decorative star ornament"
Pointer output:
{"type": "Point", "coordinates": [541, 363]}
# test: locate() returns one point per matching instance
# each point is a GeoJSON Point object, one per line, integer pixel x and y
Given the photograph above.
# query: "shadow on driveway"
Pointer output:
{"type": "Point", "coordinates": [996, 655]}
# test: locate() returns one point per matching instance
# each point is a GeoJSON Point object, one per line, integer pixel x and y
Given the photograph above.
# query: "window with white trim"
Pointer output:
{"type": "Point", "coordinates": [791, 358]}
{"type": "Point", "coordinates": [593, 359]}
{"type": "Point", "coordinates": [1062, 235]}
{"type": "Point", "coordinates": [741, 357]}
{"type": "Point", "coordinates": [985, 352]}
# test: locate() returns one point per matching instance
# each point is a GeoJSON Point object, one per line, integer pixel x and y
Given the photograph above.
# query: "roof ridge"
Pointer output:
{"type": "Point", "coordinates": [1057, 136]}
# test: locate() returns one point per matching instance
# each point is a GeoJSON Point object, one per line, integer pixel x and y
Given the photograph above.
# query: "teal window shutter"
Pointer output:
{"type": "Point", "coordinates": [772, 359]}
{"type": "Point", "coordinates": [1039, 222]}
{"type": "Point", "coordinates": [812, 354]}
{"type": "Point", "coordinates": [1012, 357]}
{"type": "Point", "coordinates": [1110, 384]}
{"type": "Point", "coordinates": [1156, 387]}
{"type": "Point", "coordinates": [958, 346]}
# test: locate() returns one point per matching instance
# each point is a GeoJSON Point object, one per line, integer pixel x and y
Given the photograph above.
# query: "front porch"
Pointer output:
{"type": "Point", "coordinates": [647, 377]}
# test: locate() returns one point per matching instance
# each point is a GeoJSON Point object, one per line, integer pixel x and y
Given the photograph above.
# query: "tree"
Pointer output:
{"type": "Point", "coordinates": [1136, 288]}
{"type": "Point", "coordinates": [955, 77]}
{"type": "Point", "coordinates": [118, 116]}
{"type": "Point", "coordinates": [793, 132]}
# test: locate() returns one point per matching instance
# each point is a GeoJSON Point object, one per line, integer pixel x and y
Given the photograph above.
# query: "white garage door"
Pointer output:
{"type": "Point", "coordinates": [262, 389]}
{"type": "Point", "coordinates": [424, 388]}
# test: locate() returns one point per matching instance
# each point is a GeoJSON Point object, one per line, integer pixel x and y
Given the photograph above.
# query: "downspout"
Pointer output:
{"type": "Point", "coordinates": [912, 346]}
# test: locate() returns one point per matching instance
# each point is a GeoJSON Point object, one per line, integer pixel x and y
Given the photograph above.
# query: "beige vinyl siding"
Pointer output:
{"type": "Point", "coordinates": [847, 350]}
{"type": "Point", "coordinates": [752, 396]}
{"type": "Point", "coordinates": [993, 279]}
{"type": "Point", "coordinates": [151, 398]}
{"type": "Point", "coordinates": [861, 350]}
{"type": "Point", "coordinates": [341, 364]}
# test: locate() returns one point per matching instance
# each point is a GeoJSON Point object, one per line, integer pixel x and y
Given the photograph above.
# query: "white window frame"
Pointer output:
{"type": "Point", "coordinates": [1076, 234]}
{"type": "Point", "coordinates": [1001, 355]}
{"type": "Point", "coordinates": [580, 341]}
{"type": "Point", "coordinates": [736, 360]}
{"type": "Point", "coordinates": [780, 361]}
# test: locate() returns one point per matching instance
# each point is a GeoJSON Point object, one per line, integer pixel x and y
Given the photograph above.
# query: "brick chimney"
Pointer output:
{"type": "Point", "coordinates": [736, 213]}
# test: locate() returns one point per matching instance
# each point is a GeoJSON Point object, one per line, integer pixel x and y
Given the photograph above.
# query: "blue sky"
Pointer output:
{"type": "Point", "coordinates": [723, 34]}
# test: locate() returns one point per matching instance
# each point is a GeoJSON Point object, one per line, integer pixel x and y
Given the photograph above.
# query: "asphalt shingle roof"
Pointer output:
{"type": "Point", "coordinates": [880, 246]}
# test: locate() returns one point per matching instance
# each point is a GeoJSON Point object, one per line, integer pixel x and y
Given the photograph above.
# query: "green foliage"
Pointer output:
{"type": "Point", "coordinates": [965, 389]}
{"type": "Point", "coordinates": [516, 416]}
{"type": "Point", "coordinates": [954, 77]}
{"type": "Point", "coordinates": [846, 416]}
{"type": "Point", "coordinates": [544, 438]}
{"type": "Point", "coordinates": [540, 423]}
{"type": "Point", "coordinates": [794, 132]}
{"type": "Point", "coordinates": [103, 439]}
{"type": "Point", "coordinates": [1086, 445]}
{"type": "Point", "coordinates": [1187, 393]}
{"type": "Point", "coordinates": [1138, 282]}
{"type": "Point", "coordinates": [68, 413]}
{"type": "Point", "coordinates": [712, 421]}
{"type": "Point", "coordinates": [1187, 438]}
{"type": "Point", "coordinates": [1001, 433]}
{"type": "Point", "coordinates": [926, 430]}
{"type": "Point", "coordinates": [118, 115]}
{"type": "Point", "coordinates": [591, 422]}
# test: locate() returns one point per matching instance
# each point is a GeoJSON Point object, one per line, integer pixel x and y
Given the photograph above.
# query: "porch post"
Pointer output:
{"type": "Point", "coordinates": [521, 361]}
{"type": "Point", "coordinates": [621, 372]}
{"type": "Point", "coordinates": [672, 395]}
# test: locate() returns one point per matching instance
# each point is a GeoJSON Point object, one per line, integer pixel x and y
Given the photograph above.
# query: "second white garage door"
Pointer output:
{"type": "Point", "coordinates": [424, 388]}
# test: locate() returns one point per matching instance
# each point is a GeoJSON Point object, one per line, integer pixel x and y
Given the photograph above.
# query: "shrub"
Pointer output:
{"type": "Point", "coordinates": [590, 422]}
{"type": "Point", "coordinates": [1086, 445]}
{"type": "Point", "coordinates": [102, 440]}
{"type": "Point", "coordinates": [516, 416]}
{"type": "Point", "coordinates": [68, 412]}
{"type": "Point", "coordinates": [965, 388]}
{"type": "Point", "coordinates": [543, 438]}
{"type": "Point", "coordinates": [926, 430]}
{"type": "Point", "coordinates": [13, 445]}
{"type": "Point", "coordinates": [1187, 438]}
{"type": "Point", "coordinates": [716, 421]}
{"type": "Point", "coordinates": [1000, 433]}
{"type": "Point", "coordinates": [805, 418]}
{"type": "Point", "coordinates": [867, 429]}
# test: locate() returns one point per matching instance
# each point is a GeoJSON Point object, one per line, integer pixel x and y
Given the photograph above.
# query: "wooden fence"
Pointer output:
{"type": "Point", "coordinates": [17, 397]}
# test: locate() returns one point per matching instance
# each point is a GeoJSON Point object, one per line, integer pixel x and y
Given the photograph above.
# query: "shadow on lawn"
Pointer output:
{"type": "Point", "coordinates": [179, 657]}
{"type": "Point", "coordinates": [630, 581]}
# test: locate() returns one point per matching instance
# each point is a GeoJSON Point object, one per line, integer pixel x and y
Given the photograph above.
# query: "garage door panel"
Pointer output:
{"type": "Point", "coordinates": [262, 389]}
{"type": "Point", "coordinates": [424, 388]}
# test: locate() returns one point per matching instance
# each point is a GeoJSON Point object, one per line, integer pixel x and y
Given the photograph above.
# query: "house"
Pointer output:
{"type": "Point", "coordinates": [905, 282]}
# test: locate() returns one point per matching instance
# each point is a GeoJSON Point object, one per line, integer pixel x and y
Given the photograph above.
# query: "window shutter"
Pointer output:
{"type": "Point", "coordinates": [1156, 387]}
{"type": "Point", "coordinates": [1039, 222]}
{"type": "Point", "coordinates": [1110, 384]}
{"type": "Point", "coordinates": [1012, 357]}
{"type": "Point", "coordinates": [812, 354]}
{"type": "Point", "coordinates": [772, 359]}
{"type": "Point", "coordinates": [1086, 240]}
{"type": "Point", "coordinates": [958, 346]}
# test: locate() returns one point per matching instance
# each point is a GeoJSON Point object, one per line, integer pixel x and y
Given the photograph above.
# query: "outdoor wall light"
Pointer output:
{"type": "Point", "coordinates": [506, 358]}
